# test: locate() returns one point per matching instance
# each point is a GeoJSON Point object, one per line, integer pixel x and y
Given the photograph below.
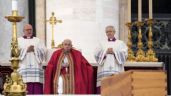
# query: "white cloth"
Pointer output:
{"type": "Point", "coordinates": [65, 62]}
{"type": "Point", "coordinates": [60, 85]}
{"type": "Point", "coordinates": [30, 66]}
{"type": "Point", "coordinates": [109, 64]}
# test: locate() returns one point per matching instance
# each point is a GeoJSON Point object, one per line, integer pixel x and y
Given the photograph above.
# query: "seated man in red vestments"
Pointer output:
{"type": "Point", "coordinates": [68, 72]}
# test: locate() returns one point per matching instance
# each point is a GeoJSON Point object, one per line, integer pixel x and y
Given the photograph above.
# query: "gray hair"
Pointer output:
{"type": "Point", "coordinates": [110, 26]}
{"type": "Point", "coordinates": [67, 40]}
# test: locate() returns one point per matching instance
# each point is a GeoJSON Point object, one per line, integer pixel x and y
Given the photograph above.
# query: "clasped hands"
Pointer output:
{"type": "Point", "coordinates": [30, 48]}
{"type": "Point", "coordinates": [110, 51]}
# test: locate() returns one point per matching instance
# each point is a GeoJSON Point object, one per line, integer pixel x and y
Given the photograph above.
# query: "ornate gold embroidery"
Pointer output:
{"type": "Point", "coordinates": [68, 78]}
{"type": "Point", "coordinates": [58, 71]}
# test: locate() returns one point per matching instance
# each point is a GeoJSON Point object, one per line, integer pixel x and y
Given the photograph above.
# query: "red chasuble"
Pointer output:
{"type": "Point", "coordinates": [80, 73]}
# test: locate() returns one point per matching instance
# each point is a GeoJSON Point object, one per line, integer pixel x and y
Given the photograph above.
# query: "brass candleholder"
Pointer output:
{"type": "Point", "coordinates": [131, 56]}
{"type": "Point", "coordinates": [140, 56]}
{"type": "Point", "coordinates": [14, 85]}
{"type": "Point", "coordinates": [150, 55]}
{"type": "Point", "coordinates": [53, 22]}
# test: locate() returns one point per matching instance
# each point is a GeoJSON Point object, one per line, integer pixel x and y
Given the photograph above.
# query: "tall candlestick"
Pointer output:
{"type": "Point", "coordinates": [140, 10]}
{"type": "Point", "coordinates": [129, 10]}
{"type": "Point", "coordinates": [150, 9]}
{"type": "Point", "coordinates": [14, 4]}
{"type": "Point", "coordinates": [14, 84]}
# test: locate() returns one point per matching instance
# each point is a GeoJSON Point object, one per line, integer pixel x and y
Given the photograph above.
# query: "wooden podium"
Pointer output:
{"type": "Point", "coordinates": [135, 83]}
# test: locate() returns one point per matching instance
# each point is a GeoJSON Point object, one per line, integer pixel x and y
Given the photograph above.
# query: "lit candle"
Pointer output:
{"type": "Point", "coordinates": [150, 9]}
{"type": "Point", "coordinates": [140, 10]}
{"type": "Point", "coordinates": [14, 4]}
{"type": "Point", "coordinates": [129, 10]}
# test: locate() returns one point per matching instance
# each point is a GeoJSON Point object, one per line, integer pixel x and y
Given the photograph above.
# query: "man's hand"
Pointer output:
{"type": "Point", "coordinates": [30, 48]}
{"type": "Point", "coordinates": [110, 51]}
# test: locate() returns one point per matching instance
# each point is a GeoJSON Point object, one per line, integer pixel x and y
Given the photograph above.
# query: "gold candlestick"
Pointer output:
{"type": "Point", "coordinates": [140, 56]}
{"type": "Point", "coordinates": [131, 56]}
{"type": "Point", "coordinates": [53, 22]}
{"type": "Point", "coordinates": [151, 55]}
{"type": "Point", "coordinates": [14, 85]}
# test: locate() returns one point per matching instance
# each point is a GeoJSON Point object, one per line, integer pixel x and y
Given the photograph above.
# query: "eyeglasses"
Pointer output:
{"type": "Point", "coordinates": [67, 44]}
{"type": "Point", "coordinates": [28, 29]}
{"type": "Point", "coordinates": [110, 31]}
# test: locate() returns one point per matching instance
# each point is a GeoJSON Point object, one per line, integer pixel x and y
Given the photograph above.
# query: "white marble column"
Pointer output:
{"type": "Point", "coordinates": [6, 26]}
{"type": "Point", "coordinates": [41, 19]}
{"type": "Point", "coordinates": [123, 19]}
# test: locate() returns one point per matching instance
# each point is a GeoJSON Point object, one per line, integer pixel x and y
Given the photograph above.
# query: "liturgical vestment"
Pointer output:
{"type": "Point", "coordinates": [30, 66]}
{"type": "Point", "coordinates": [77, 77]}
{"type": "Point", "coordinates": [109, 64]}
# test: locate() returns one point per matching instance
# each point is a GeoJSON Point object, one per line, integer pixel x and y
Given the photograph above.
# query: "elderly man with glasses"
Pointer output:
{"type": "Point", "coordinates": [32, 54]}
